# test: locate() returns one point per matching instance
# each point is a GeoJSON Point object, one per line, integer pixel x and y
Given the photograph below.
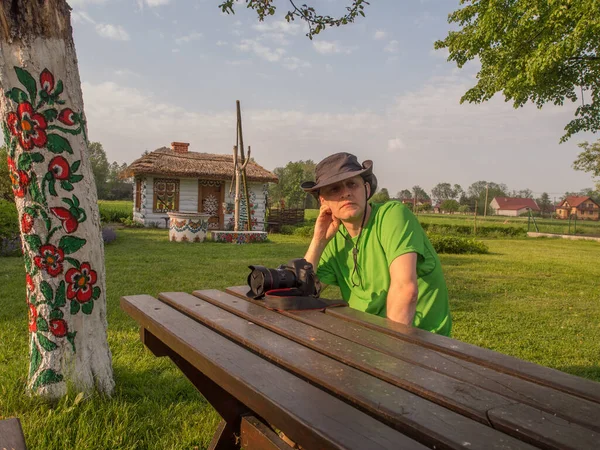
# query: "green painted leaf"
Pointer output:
{"type": "Point", "coordinates": [70, 244]}
{"type": "Point", "coordinates": [75, 165]}
{"type": "Point", "coordinates": [36, 358]}
{"type": "Point", "coordinates": [71, 339]}
{"type": "Point", "coordinates": [24, 161]}
{"type": "Point", "coordinates": [50, 114]}
{"type": "Point", "coordinates": [52, 187]}
{"type": "Point", "coordinates": [34, 242]}
{"type": "Point", "coordinates": [72, 261]}
{"type": "Point", "coordinates": [34, 188]}
{"type": "Point", "coordinates": [56, 314]}
{"type": "Point", "coordinates": [59, 88]}
{"type": "Point", "coordinates": [17, 95]}
{"type": "Point", "coordinates": [28, 81]}
{"type": "Point", "coordinates": [60, 299]}
{"type": "Point", "coordinates": [41, 324]}
{"type": "Point", "coordinates": [74, 178]}
{"type": "Point", "coordinates": [74, 307]}
{"type": "Point", "coordinates": [46, 343]}
{"type": "Point", "coordinates": [66, 185]}
{"type": "Point", "coordinates": [58, 144]}
{"type": "Point", "coordinates": [47, 376]}
{"type": "Point", "coordinates": [88, 307]}
{"type": "Point", "coordinates": [31, 211]}
{"type": "Point", "coordinates": [37, 157]}
{"type": "Point", "coordinates": [46, 291]}
{"type": "Point", "coordinates": [96, 292]}
{"type": "Point", "coordinates": [27, 260]}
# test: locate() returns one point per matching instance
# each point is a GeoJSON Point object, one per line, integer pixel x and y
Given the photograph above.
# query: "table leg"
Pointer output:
{"type": "Point", "coordinates": [229, 408]}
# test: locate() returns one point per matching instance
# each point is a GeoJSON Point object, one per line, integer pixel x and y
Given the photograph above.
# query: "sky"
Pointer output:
{"type": "Point", "coordinates": [158, 71]}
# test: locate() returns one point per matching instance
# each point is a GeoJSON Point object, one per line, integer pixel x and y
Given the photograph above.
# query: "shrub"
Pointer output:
{"type": "Point", "coordinates": [10, 239]}
{"type": "Point", "coordinates": [457, 245]}
{"type": "Point", "coordinates": [287, 229]}
{"type": "Point", "coordinates": [305, 231]}
{"type": "Point", "coordinates": [108, 235]}
{"type": "Point", "coordinates": [115, 211]}
{"type": "Point", "coordinates": [130, 223]}
{"type": "Point", "coordinates": [467, 230]}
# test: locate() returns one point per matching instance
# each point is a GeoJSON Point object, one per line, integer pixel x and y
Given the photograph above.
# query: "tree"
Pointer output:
{"type": "Point", "coordinates": [419, 193]}
{"type": "Point", "coordinates": [543, 52]}
{"type": "Point", "coordinates": [45, 130]}
{"type": "Point", "coordinates": [589, 160]}
{"type": "Point", "coordinates": [5, 179]}
{"type": "Point", "coordinates": [523, 193]}
{"type": "Point", "coordinates": [118, 187]}
{"type": "Point", "coordinates": [288, 189]}
{"type": "Point", "coordinates": [544, 203]}
{"type": "Point", "coordinates": [404, 194]}
{"type": "Point", "coordinates": [445, 191]}
{"type": "Point", "coordinates": [477, 193]}
{"type": "Point", "coordinates": [450, 205]}
{"type": "Point", "coordinates": [381, 196]}
{"type": "Point", "coordinates": [100, 167]}
{"type": "Point", "coordinates": [316, 22]}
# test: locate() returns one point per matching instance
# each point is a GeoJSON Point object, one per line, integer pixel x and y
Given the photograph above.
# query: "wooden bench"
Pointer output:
{"type": "Point", "coordinates": [11, 435]}
{"type": "Point", "coordinates": [344, 379]}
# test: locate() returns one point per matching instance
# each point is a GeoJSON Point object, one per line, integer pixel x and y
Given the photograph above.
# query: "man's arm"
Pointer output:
{"type": "Point", "coordinates": [403, 293]}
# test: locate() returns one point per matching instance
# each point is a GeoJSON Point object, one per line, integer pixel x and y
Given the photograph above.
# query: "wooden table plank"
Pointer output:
{"type": "Point", "coordinates": [256, 435]}
{"type": "Point", "coordinates": [553, 378]}
{"type": "Point", "coordinates": [425, 421]}
{"type": "Point", "coordinates": [307, 414]}
{"type": "Point", "coordinates": [571, 408]}
{"type": "Point", "coordinates": [11, 435]}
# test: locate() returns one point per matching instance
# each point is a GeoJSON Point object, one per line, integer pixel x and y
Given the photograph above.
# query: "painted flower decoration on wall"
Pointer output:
{"type": "Point", "coordinates": [28, 126]}
{"type": "Point", "coordinates": [18, 178]}
{"type": "Point", "coordinates": [58, 327]}
{"type": "Point", "coordinates": [50, 259]}
{"type": "Point", "coordinates": [33, 314]}
{"type": "Point", "coordinates": [68, 220]}
{"type": "Point", "coordinates": [26, 223]}
{"type": "Point", "coordinates": [59, 167]}
{"type": "Point", "coordinates": [47, 81]}
{"type": "Point", "coordinates": [80, 283]}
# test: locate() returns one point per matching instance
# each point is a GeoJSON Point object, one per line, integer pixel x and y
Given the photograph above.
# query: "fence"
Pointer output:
{"type": "Point", "coordinates": [277, 217]}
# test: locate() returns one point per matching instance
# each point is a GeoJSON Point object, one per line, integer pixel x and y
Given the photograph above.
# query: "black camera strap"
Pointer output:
{"type": "Point", "coordinates": [294, 300]}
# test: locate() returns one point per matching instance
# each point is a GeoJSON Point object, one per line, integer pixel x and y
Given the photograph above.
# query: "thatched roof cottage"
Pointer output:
{"type": "Point", "coordinates": [175, 179]}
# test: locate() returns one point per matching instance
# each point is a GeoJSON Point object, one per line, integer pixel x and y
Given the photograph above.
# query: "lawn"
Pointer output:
{"type": "Point", "coordinates": [534, 299]}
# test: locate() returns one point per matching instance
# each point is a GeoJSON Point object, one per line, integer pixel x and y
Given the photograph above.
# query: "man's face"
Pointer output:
{"type": "Point", "coordinates": [346, 198]}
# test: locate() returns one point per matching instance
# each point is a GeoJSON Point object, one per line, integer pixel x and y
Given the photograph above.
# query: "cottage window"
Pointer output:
{"type": "Point", "coordinates": [166, 195]}
{"type": "Point", "coordinates": [138, 194]}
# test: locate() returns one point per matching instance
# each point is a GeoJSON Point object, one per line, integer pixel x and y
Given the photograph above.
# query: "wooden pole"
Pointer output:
{"type": "Point", "coordinates": [236, 212]}
{"type": "Point", "coordinates": [243, 163]}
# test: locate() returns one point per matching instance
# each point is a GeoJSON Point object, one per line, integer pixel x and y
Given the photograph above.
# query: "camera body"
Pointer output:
{"type": "Point", "coordinates": [297, 275]}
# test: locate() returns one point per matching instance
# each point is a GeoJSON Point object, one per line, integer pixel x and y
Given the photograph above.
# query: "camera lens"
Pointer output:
{"type": "Point", "coordinates": [262, 279]}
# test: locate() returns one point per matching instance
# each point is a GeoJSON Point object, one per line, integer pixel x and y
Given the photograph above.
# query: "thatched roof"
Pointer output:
{"type": "Point", "coordinates": [166, 162]}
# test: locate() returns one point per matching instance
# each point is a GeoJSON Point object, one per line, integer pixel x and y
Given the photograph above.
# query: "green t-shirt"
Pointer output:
{"type": "Point", "coordinates": [392, 230]}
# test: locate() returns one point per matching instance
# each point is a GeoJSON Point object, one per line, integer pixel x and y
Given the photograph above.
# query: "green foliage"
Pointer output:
{"type": "Point", "coordinates": [404, 194]}
{"type": "Point", "coordinates": [287, 229]}
{"type": "Point", "coordinates": [589, 160]}
{"type": "Point", "coordinates": [316, 22]}
{"type": "Point", "coordinates": [306, 231]}
{"type": "Point", "coordinates": [477, 194]}
{"type": "Point", "coordinates": [381, 196]}
{"type": "Point", "coordinates": [288, 189]}
{"type": "Point", "coordinates": [445, 191]}
{"type": "Point", "coordinates": [6, 192]}
{"type": "Point", "coordinates": [115, 211]}
{"type": "Point", "coordinates": [538, 51]}
{"type": "Point", "coordinates": [450, 205]}
{"type": "Point", "coordinates": [469, 230]}
{"type": "Point", "coordinates": [457, 245]}
{"type": "Point", "coordinates": [419, 193]}
{"type": "Point", "coordinates": [110, 183]}
{"type": "Point", "coordinates": [9, 219]}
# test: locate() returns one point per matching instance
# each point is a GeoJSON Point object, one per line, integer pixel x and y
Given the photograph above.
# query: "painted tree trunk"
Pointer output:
{"type": "Point", "coordinates": [44, 126]}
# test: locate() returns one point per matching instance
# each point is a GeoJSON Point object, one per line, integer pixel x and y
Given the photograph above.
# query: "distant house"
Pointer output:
{"type": "Point", "coordinates": [417, 202]}
{"type": "Point", "coordinates": [582, 206]}
{"type": "Point", "coordinates": [511, 206]}
{"type": "Point", "coordinates": [175, 179]}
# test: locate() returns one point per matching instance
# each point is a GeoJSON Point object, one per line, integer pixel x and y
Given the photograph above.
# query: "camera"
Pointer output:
{"type": "Point", "coordinates": [297, 275]}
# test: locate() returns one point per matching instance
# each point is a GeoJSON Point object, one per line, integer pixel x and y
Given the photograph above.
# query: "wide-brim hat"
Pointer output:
{"type": "Point", "coordinates": [339, 167]}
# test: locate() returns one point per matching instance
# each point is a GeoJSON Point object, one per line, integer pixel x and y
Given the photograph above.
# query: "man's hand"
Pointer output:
{"type": "Point", "coordinates": [326, 225]}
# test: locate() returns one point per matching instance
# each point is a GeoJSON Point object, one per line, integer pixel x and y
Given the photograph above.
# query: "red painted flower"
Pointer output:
{"type": "Point", "coordinates": [66, 116]}
{"type": "Point", "coordinates": [32, 318]}
{"type": "Point", "coordinates": [80, 283]}
{"type": "Point", "coordinates": [28, 125]}
{"type": "Point", "coordinates": [26, 223]}
{"type": "Point", "coordinates": [50, 259]}
{"type": "Point", "coordinates": [60, 168]}
{"type": "Point", "coordinates": [58, 327]}
{"type": "Point", "coordinates": [18, 178]}
{"type": "Point", "coordinates": [69, 222]}
{"type": "Point", "coordinates": [47, 81]}
{"type": "Point", "coordinates": [29, 282]}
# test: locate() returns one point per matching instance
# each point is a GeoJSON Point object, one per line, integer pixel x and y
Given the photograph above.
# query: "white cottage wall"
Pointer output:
{"type": "Point", "coordinates": [258, 198]}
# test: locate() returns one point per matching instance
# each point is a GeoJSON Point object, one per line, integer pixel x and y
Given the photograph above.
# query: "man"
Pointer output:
{"type": "Point", "coordinates": [378, 255]}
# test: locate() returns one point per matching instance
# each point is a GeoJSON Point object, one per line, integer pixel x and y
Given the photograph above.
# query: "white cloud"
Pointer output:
{"type": "Point", "coordinates": [392, 47]}
{"type": "Point", "coordinates": [221, 43]}
{"type": "Point", "coordinates": [395, 144]}
{"type": "Point", "coordinates": [81, 17]}
{"type": "Point", "coordinates": [293, 63]}
{"type": "Point", "coordinates": [75, 3]}
{"type": "Point", "coordinates": [271, 55]}
{"type": "Point", "coordinates": [380, 34]}
{"type": "Point", "coordinates": [278, 28]}
{"type": "Point", "coordinates": [152, 3]}
{"type": "Point", "coordinates": [329, 47]}
{"type": "Point", "coordinates": [126, 73]}
{"type": "Point", "coordinates": [113, 32]}
{"type": "Point", "coordinates": [238, 62]}
{"type": "Point", "coordinates": [188, 38]}
{"type": "Point", "coordinates": [175, 50]}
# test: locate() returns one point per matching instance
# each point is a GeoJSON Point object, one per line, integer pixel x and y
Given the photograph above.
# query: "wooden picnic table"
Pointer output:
{"type": "Point", "coordinates": [341, 378]}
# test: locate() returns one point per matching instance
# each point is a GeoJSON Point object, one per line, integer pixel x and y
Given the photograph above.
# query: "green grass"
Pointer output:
{"type": "Point", "coordinates": [114, 210]}
{"type": "Point", "coordinates": [534, 299]}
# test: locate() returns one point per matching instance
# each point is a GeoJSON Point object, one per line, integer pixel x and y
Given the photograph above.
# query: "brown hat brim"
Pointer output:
{"type": "Point", "coordinates": [312, 187]}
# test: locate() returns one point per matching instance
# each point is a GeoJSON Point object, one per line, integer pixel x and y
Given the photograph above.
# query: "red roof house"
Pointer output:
{"type": "Point", "coordinates": [511, 206]}
{"type": "Point", "coordinates": [582, 206]}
